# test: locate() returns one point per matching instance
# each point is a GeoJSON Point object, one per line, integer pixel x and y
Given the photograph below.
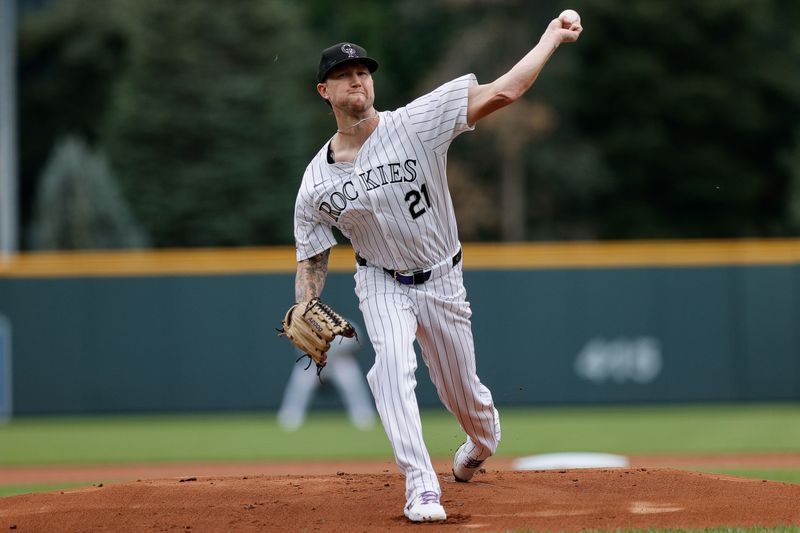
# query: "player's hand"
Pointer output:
{"type": "Point", "coordinates": [311, 326]}
{"type": "Point", "coordinates": [563, 31]}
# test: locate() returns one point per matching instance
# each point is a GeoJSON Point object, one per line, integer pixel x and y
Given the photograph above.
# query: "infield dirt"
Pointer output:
{"type": "Point", "coordinates": [496, 500]}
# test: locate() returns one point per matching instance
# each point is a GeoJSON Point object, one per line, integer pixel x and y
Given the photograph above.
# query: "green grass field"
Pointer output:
{"type": "Point", "coordinates": [685, 429]}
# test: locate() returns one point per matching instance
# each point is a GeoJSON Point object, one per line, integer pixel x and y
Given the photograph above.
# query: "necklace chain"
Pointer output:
{"type": "Point", "coordinates": [357, 123]}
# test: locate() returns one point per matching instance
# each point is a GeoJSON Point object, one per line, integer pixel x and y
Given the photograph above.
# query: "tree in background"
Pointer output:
{"type": "Point", "coordinates": [791, 160]}
{"type": "Point", "coordinates": [208, 129]}
{"type": "Point", "coordinates": [69, 56]}
{"type": "Point", "coordinates": [690, 105]}
{"type": "Point", "coordinates": [668, 120]}
{"type": "Point", "coordinates": [78, 205]}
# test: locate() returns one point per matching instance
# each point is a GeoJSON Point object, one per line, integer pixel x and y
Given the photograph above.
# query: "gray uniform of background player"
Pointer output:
{"type": "Point", "coordinates": [343, 372]}
{"type": "Point", "coordinates": [385, 188]}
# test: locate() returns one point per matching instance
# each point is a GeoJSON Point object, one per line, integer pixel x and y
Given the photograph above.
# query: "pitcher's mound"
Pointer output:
{"type": "Point", "coordinates": [558, 500]}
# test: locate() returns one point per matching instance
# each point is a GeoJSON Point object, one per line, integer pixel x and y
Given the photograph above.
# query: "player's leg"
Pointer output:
{"type": "Point", "coordinates": [445, 336]}
{"type": "Point", "coordinates": [348, 378]}
{"type": "Point", "coordinates": [391, 325]}
{"type": "Point", "coordinates": [296, 397]}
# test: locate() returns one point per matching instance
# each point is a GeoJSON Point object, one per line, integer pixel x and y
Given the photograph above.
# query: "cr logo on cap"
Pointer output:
{"type": "Point", "coordinates": [348, 49]}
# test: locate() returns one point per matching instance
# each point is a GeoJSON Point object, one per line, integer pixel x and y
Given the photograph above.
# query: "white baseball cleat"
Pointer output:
{"type": "Point", "coordinates": [464, 466]}
{"type": "Point", "coordinates": [425, 507]}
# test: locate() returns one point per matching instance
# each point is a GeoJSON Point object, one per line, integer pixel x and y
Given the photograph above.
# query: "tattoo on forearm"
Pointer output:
{"type": "Point", "coordinates": [310, 277]}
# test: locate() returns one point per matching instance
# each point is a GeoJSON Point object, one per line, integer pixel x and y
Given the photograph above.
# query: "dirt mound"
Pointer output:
{"type": "Point", "coordinates": [565, 500]}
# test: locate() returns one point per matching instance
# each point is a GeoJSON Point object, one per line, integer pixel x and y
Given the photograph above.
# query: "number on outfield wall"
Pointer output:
{"type": "Point", "coordinates": [621, 360]}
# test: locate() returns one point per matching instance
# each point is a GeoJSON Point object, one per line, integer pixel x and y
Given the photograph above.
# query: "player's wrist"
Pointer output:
{"type": "Point", "coordinates": [550, 39]}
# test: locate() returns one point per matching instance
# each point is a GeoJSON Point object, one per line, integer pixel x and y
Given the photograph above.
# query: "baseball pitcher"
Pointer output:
{"type": "Point", "coordinates": [381, 180]}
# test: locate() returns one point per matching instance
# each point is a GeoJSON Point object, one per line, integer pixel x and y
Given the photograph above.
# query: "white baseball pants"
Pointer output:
{"type": "Point", "coordinates": [437, 314]}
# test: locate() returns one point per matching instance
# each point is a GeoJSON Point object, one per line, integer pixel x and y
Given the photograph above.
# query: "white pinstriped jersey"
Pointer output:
{"type": "Point", "coordinates": [392, 201]}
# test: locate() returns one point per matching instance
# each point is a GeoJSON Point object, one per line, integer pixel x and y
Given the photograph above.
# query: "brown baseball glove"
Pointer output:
{"type": "Point", "coordinates": [311, 326]}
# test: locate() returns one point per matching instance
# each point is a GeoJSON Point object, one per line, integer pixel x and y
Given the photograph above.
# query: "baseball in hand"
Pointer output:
{"type": "Point", "coordinates": [570, 16]}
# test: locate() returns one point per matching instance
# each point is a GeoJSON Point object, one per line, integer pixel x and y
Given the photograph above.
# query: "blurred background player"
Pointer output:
{"type": "Point", "coordinates": [344, 372]}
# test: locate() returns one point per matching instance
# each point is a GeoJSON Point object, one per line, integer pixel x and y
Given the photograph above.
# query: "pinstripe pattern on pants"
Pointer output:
{"type": "Point", "coordinates": [437, 314]}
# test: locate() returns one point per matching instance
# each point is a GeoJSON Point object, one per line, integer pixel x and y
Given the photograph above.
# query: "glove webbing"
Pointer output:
{"type": "Point", "coordinates": [330, 314]}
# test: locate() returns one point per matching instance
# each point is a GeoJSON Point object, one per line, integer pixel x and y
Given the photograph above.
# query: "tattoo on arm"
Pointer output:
{"type": "Point", "coordinates": [310, 277]}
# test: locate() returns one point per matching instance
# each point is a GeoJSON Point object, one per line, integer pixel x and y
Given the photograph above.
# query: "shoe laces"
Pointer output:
{"type": "Point", "coordinates": [472, 463]}
{"type": "Point", "coordinates": [429, 497]}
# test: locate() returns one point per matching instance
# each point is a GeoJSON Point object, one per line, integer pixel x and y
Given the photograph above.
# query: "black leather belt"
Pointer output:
{"type": "Point", "coordinates": [409, 277]}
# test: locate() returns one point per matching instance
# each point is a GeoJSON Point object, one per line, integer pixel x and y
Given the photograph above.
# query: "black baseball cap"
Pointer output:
{"type": "Point", "coordinates": [341, 53]}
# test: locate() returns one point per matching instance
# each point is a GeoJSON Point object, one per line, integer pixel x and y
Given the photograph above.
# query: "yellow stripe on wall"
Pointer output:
{"type": "Point", "coordinates": [150, 262]}
{"type": "Point", "coordinates": [495, 256]}
{"type": "Point", "coordinates": [633, 254]}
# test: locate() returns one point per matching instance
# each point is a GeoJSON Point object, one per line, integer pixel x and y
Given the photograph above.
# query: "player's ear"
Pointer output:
{"type": "Point", "coordinates": [322, 89]}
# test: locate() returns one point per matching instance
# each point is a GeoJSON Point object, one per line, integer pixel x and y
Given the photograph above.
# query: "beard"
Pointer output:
{"type": "Point", "coordinates": [356, 104]}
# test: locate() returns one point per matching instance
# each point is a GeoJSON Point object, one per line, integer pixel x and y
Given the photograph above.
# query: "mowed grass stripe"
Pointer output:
{"type": "Point", "coordinates": [758, 428]}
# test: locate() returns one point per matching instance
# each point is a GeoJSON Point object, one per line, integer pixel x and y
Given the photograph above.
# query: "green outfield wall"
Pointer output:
{"type": "Point", "coordinates": [105, 335]}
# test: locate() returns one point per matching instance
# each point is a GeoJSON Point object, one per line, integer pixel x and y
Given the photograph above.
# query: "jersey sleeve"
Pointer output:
{"type": "Point", "coordinates": [311, 235]}
{"type": "Point", "coordinates": [441, 115]}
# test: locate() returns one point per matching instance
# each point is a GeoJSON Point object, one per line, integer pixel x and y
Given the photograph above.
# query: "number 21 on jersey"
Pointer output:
{"type": "Point", "coordinates": [413, 199]}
